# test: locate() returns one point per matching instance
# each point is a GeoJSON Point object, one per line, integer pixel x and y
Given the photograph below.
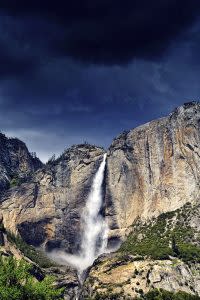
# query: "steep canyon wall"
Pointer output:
{"type": "Point", "coordinates": [154, 168]}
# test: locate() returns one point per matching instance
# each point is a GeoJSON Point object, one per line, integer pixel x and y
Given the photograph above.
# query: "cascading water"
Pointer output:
{"type": "Point", "coordinates": [95, 228]}
{"type": "Point", "coordinates": [94, 239]}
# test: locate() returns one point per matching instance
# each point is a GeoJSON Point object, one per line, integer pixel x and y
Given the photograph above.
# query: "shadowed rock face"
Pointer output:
{"type": "Point", "coordinates": [47, 210]}
{"type": "Point", "coordinates": [15, 161]}
{"type": "Point", "coordinates": [154, 168]}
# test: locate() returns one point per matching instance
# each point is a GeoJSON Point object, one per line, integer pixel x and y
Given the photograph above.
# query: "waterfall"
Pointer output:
{"type": "Point", "coordinates": [94, 239]}
{"type": "Point", "coordinates": [95, 228]}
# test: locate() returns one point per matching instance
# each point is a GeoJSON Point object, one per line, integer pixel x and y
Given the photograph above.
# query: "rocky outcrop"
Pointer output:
{"type": "Point", "coordinates": [161, 253]}
{"type": "Point", "coordinates": [66, 277]}
{"type": "Point", "coordinates": [16, 162]}
{"type": "Point", "coordinates": [46, 211]}
{"type": "Point", "coordinates": [154, 168]}
{"type": "Point", "coordinates": [113, 277]}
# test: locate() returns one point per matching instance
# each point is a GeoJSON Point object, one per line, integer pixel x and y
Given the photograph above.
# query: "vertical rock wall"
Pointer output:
{"type": "Point", "coordinates": [154, 168]}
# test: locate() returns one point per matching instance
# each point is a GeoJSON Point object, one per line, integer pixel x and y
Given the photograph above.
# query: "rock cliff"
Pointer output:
{"type": "Point", "coordinates": [16, 162]}
{"type": "Point", "coordinates": [154, 168]}
{"type": "Point", "coordinates": [115, 278]}
{"type": "Point", "coordinates": [46, 211]}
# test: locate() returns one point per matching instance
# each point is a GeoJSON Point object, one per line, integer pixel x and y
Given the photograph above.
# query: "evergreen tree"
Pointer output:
{"type": "Point", "coordinates": [16, 282]}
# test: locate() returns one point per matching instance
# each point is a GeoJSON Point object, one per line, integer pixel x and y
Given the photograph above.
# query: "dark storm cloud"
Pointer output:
{"type": "Point", "coordinates": [13, 61]}
{"type": "Point", "coordinates": [119, 32]}
{"type": "Point", "coordinates": [145, 61]}
{"type": "Point", "coordinates": [108, 31]}
{"type": "Point", "coordinates": [24, 45]}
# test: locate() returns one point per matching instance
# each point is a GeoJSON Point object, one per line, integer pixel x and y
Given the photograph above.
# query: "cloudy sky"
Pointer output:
{"type": "Point", "coordinates": [85, 70]}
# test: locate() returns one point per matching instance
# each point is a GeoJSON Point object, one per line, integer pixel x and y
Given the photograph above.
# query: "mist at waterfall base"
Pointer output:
{"type": "Point", "coordinates": [95, 229]}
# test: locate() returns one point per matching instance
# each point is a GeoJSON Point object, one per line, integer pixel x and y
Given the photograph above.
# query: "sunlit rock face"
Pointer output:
{"type": "Point", "coordinates": [16, 162]}
{"type": "Point", "coordinates": [154, 168]}
{"type": "Point", "coordinates": [46, 211]}
{"type": "Point", "coordinates": [115, 277]}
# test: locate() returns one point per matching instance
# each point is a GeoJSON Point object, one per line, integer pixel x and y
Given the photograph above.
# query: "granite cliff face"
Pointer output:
{"type": "Point", "coordinates": [154, 168]}
{"type": "Point", "coordinates": [46, 211]}
{"type": "Point", "coordinates": [16, 163]}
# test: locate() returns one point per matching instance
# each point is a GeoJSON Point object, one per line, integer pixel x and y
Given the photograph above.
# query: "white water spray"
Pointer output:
{"type": "Point", "coordinates": [94, 225]}
{"type": "Point", "coordinates": [94, 240]}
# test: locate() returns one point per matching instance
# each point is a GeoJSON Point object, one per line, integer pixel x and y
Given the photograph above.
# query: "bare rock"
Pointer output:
{"type": "Point", "coordinates": [47, 210]}
{"type": "Point", "coordinates": [16, 162]}
{"type": "Point", "coordinates": [154, 168]}
{"type": "Point", "coordinates": [124, 278]}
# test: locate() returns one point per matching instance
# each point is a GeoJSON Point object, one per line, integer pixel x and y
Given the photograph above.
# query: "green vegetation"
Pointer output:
{"type": "Point", "coordinates": [149, 241]}
{"type": "Point", "coordinates": [16, 282]}
{"type": "Point", "coordinates": [15, 181]}
{"type": "Point", "coordinates": [168, 235]}
{"type": "Point", "coordinates": [36, 256]}
{"type": "Point", "coordinates": [189, 252]}
{"type": "Point", "coordinates": [165, 295]}
{"type": "Point", "coordinates": [154, 294]}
